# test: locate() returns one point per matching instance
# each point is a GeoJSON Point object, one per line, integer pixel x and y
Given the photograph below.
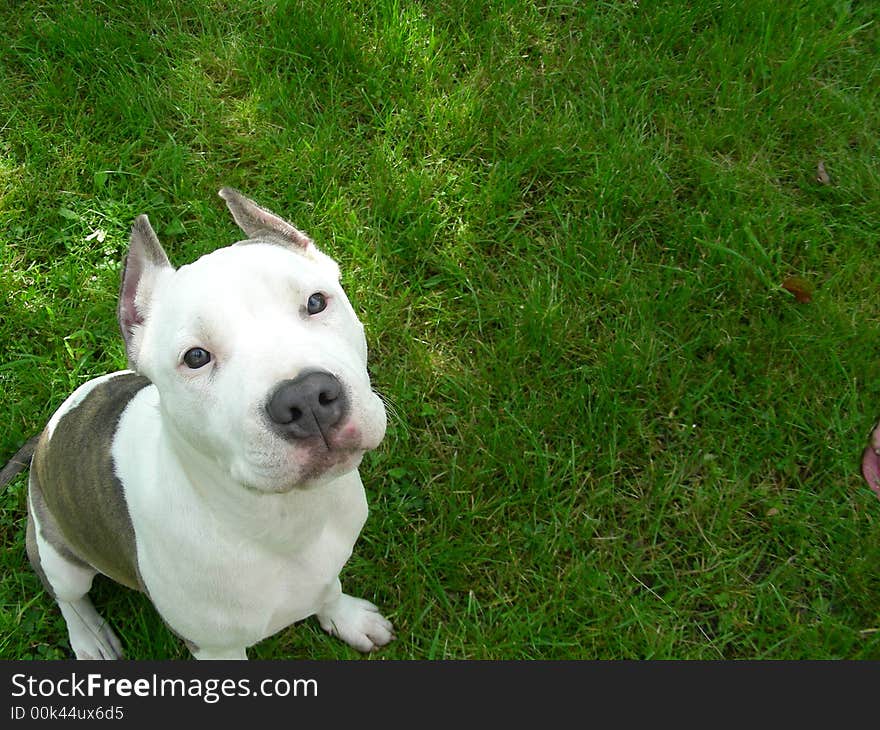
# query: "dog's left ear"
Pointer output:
{"type": "Point", "coordinates": [259, 223]}
{"type": "Point", "coordinates": [145, 263]}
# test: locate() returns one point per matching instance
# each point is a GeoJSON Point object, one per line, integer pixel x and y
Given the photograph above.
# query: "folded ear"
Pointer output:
{"type": "Point", "coordinates": [259, 223]}
{"type": "Point", "coordinates": [145, 261]}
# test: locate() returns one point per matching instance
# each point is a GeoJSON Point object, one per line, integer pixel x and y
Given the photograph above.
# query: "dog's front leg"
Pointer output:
{"type": "Point", "coordinates": [356, 621]}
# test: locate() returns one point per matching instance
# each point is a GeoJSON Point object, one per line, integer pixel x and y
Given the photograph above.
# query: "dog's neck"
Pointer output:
{"type": "Point", "coordinates": [284, 518]}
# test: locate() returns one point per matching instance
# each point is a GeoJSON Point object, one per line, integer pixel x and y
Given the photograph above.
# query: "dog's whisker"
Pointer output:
{"type": "Point", "coordinates": [392, 410]}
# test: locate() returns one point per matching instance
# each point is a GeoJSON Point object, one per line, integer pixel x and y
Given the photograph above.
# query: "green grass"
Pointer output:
{"type": "Point", "coordinates": [565, 226]}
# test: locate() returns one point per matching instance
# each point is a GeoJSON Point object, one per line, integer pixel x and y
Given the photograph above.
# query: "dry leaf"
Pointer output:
{"type": "Point", "coordinates": [822, 175]}
{"type": "Point", "coordinates": [799, 287]}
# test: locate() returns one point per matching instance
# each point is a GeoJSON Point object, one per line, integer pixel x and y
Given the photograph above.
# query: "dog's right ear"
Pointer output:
{"type": "Point", "coordinates": [261, 224]}
{"type": "Point", "coordinates": [145, 262]}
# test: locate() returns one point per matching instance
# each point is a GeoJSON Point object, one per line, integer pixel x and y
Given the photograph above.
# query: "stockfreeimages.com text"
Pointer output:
{"type": "Point", "coordinates": [209, 690]}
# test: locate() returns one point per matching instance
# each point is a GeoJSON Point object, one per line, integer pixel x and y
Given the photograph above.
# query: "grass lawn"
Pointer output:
{"type": "Point", "coordinates": [574, 232]}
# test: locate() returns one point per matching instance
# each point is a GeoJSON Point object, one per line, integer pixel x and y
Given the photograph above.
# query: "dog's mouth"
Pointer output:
{"type": "Point", "coordinates": [329, 463]}
{"type": "Point", "coordinates": [303, 464]}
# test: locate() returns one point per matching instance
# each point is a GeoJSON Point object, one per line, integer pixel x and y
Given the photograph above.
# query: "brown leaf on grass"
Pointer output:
{"type": "Point", "coordinates": [822, 176]}
{"type": "Point", "coordinates": [799, 287]}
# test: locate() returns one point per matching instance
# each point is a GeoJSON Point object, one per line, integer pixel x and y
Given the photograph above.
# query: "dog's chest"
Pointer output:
{"type": "Point", "coordinates": [224, 566]}
{"type": "Point", "coordinates": [247, 588]}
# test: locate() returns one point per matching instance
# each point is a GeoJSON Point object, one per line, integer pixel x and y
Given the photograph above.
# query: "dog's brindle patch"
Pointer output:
{"type": "Point", "coordinates": [84, 436]}
{"type": "Point", "coordinates": [49, 531]}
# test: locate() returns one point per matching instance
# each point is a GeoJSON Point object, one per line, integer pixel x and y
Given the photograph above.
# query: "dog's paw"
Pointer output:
{"type": "Point", "coordinates": [90, 636]}
{"type": "Point", "coordinates": [357, 622]}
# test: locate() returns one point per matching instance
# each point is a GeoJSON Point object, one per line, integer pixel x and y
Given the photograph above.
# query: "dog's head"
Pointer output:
{"type": "Point", "coordinates": [258, 357]}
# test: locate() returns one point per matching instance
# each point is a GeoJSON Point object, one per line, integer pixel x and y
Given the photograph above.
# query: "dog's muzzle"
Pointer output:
{"type": "Point", "coordinates": [307, 406]}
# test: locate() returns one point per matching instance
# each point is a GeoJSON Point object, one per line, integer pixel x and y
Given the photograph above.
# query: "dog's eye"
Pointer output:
{"type": "Point", "coordinates": [196, 357]}
{"type": "Point", "coordinates": [317, 303]}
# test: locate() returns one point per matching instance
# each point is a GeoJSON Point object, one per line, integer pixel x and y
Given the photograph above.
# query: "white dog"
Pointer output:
{"type": "Point", "coordinates": [220, 474]}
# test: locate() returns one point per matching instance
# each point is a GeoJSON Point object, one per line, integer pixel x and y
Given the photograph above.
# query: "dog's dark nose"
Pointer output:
{"type": "Point", "coordinates": [308, 405]}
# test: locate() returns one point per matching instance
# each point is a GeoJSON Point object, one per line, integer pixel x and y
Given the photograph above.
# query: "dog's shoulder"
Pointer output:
{"type": "Point", "coordinates": [73, 466]}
